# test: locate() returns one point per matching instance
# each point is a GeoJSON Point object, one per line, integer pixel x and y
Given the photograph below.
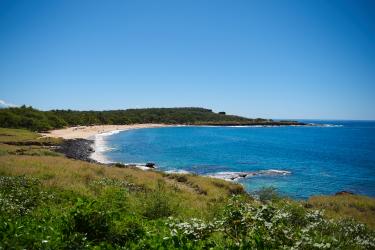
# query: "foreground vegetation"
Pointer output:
{"type": "Point", "coordinates": [35, 120]}
{"type": "Point", "coordinates": [50, 202]}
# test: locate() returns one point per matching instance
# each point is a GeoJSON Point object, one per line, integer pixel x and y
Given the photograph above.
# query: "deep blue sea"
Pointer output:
{"type": "Point", "coordinates": [319, 160]}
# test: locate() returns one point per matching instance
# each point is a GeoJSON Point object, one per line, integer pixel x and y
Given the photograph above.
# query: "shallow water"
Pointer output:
{"type": "Point", "coordinates": [321, 160]}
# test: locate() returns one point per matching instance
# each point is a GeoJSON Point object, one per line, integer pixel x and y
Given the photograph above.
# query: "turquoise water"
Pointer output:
{"type": "Point", "coordinates": [321, 160]}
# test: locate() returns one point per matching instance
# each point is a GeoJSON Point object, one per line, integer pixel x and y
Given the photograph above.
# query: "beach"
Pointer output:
{"type": "Point", "coordinates": [88, 142]}
{"type": "Point", "coordinates": [89, 132]}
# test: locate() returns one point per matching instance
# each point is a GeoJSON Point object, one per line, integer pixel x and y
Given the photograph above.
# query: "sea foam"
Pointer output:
{"type": "Point", "coordinates": [177, 171]}
{"type": "Point", "coordinates": [233, 176]}
{"type": "Point", "coordinates": [101, 146]}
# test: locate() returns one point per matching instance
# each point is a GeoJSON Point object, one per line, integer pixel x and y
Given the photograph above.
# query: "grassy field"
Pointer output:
{"type": "Point", "coordinates": [52, 202]}
{"type": "Point", "coordinates": [361, 208]}
{"type": "Point", "coordinates": [57, 171]}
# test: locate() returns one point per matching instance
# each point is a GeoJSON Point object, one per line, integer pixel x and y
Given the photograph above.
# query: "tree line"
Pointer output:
{"type": "Point", "coordinates": [36, 120]}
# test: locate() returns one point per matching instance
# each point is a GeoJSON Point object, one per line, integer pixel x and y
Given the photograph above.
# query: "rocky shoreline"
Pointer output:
{"type": "Point", "coordinates": [79, 149]}
{"type": "Point", "coordinates": [82, 149]}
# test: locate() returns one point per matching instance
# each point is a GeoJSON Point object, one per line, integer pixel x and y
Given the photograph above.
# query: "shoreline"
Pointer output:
{"type": "Point", "coordinates": [88, 143]}
{"type": "Point", "coordinates": [81, 143]}
{"type": "Point", "coordinates": [85, 149]}
{"type": "Point", "coordinates": [87, 132]}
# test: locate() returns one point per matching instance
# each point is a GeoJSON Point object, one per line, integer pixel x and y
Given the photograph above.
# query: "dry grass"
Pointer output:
{"type": "Point", "coordinates": [76, 176]}
{"type": "Point", "coordinates": [194, 194]}
{"type": "Point", "coordinates": [361, 208]}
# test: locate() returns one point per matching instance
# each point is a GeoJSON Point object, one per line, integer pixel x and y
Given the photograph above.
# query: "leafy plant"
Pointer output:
{"type": "Point", "coordinates": [266, 194]}
{"type": "Point", "coordinates": [88, 219]}
{"type": "Point", "coordinates": [157, 203]}
{"type": "Point", "coordinates": [19, 195]}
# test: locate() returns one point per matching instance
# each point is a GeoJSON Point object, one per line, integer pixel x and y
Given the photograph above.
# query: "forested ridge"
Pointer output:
{"type": "Point", "coordinates": [36, 120]}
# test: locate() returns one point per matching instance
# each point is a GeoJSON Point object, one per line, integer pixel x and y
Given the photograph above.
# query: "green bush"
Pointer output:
{"type": "Point", "coordinates": [267, 194]}
{"type": "Point", "coordinates": [118, 218]}
{"type": "Point", "coordinates": [125, 232]}
{"type": "Point", "coordinates": [19, 195]}
{"type": "Point", "coordinates": [157, 203]}
{"type": "Point", "coordinates": [282, 225]}
{"type": "Point", "coordinates": [88, 219]}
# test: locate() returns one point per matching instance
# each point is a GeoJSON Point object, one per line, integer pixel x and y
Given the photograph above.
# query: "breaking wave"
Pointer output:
{"type": "Point", "coordinates": [101, 146]}
{"type": "Point", "coordinates": [232, 176]}
{"type": "Point", "coordinates": [177, 171]}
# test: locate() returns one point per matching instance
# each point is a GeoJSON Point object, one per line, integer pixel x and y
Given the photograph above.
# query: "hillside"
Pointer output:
{"type": "Point", "coordinates": [36, 120]}
{"type": "Point", "coordinates": [50, 202]}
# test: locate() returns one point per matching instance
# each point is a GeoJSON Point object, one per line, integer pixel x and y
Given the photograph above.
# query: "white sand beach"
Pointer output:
{"type": "Point", "coordinates": [87, 132]}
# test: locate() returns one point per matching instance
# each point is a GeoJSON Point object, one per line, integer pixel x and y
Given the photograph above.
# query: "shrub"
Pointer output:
{"type": "Point", "coordinates": [267, 194]}
{"type": "Point", "coordinates": [19, 195]}
{"type": "Point", "coordinates": [181, 178]}
{"type": "Point", "coordinates": [191, 234]}
{"type": "Point", "coordinates": [157, 202]}
{"type": "Point", "coordinates": [282, 225]}
{"type": "Point", "coordinates": [128, 231]}
{"type": "Point", "coordinates": [115, 219]}
{"type": "Point", "coordinates": [88, 219]}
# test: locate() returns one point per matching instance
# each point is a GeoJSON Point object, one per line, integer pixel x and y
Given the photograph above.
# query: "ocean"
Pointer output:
{"type": "Point", "coordinates": [298, 161]}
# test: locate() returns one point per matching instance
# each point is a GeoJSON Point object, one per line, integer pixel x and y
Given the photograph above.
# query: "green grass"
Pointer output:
{"type": "Point", "coordinates": [25, 137]}
{"type": "Point", "coordinates": [24, 142]}
{"type": "Point", "coordinates": [15, 135]}
{"type": "Point", "coordinates": [360, 208]}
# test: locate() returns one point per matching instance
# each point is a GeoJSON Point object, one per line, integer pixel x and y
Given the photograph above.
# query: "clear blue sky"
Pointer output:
{"type": "Point", "coordinates": [272, 59]}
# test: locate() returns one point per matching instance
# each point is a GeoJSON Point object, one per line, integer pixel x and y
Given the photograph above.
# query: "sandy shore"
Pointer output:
{"type": "Point", "coordinates": [87, 132]}
{"type": "Point", "coordinates": [95, 146]}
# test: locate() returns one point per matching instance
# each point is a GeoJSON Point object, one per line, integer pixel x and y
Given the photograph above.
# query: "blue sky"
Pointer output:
{"type": "Point", "coordinates": [272, 59]}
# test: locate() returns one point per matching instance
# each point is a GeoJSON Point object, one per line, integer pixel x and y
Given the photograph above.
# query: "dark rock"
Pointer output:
{"type": "Point", "coordinates": [80, 149]}
{"type": "Point", "coordinates": [150, 165]}
{"type": "Point", "coordinates": [120, 165]}
{"type": "Point", "coordinates": [344, 193]}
